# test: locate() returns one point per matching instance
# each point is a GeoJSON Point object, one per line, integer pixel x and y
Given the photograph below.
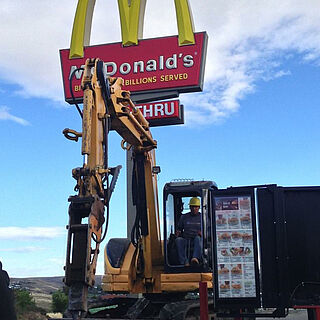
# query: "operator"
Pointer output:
{"type": "Point", "coordinates": [189, 230]}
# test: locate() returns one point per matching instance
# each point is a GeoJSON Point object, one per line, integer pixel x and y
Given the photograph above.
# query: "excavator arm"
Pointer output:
{"type": "Point", "coordinates": [106, 106]}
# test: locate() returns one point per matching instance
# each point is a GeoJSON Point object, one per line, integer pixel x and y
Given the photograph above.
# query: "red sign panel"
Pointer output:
{"type": "Point", "coordinates": [162, 113]}
{"type": "Point", "coordinates": [154, 65]}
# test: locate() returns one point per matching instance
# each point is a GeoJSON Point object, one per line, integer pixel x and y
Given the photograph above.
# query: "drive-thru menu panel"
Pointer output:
{"type": "Point", "coordinates": [234, 237]}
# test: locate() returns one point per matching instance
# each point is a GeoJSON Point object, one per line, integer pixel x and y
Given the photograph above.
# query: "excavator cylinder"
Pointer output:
{"type": "Point", "coordinates": [138, 115]}
{"type": "Point", "coordinates": [87, 121]}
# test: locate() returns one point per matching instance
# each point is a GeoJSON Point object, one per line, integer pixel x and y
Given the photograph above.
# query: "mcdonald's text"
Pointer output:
{"type": "Point", "coordinates": [158, 64]}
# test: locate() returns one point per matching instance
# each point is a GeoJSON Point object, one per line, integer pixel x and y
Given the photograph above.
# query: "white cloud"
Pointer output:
{"type": "Point", "coordinates": [6, 115]}
{"type": "Point", "coordinates": [31, 233]}
{"type": "Point", "coordinates": [248, 41]}
{"type": "Point", "coordinates": [37, 269]}
{"type": "Point", "coordinates": [22, 249]}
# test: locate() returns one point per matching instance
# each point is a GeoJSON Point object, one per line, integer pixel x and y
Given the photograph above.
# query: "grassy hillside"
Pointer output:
{"type": "Point", "coordinates": [42, 288]}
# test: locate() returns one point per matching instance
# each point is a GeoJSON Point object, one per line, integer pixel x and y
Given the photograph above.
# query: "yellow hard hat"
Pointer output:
{"type": "Point", "coordinates": [194, 202]}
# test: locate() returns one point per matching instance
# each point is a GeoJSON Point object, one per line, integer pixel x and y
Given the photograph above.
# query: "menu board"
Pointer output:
{"type": "Point", "coordinates": [235, 248]}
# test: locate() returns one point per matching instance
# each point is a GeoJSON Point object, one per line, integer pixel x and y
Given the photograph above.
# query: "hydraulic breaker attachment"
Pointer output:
{"type": "Point", "coordinates": [82, 248]}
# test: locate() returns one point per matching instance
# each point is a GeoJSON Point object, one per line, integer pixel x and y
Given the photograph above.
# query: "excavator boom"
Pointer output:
{"type": "Point", "coordinates": [106, 106]}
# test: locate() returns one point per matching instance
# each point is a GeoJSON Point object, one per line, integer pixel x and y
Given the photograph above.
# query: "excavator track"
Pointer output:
{"type": "Point", "coordinates": [126, 307]}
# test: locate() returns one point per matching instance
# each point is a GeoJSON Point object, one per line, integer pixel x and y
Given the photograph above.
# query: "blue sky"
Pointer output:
{"type": "Point", "coordinates": [256, 122]}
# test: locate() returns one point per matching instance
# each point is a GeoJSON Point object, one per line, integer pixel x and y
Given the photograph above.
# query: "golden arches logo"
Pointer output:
{"type": "Point", "coordinates": [131, 19]}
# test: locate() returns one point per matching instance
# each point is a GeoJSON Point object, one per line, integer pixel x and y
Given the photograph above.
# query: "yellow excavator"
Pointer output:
{"type": "Point", "coordinates": [142, 276]}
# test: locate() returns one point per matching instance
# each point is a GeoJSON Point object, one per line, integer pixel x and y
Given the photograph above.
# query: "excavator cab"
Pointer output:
{"type": "Point", "coordinates": [176, 197]}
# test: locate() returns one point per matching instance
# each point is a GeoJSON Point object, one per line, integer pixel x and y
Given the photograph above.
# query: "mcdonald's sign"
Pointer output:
{"type": "Point", "coordinates": [149, 66]}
